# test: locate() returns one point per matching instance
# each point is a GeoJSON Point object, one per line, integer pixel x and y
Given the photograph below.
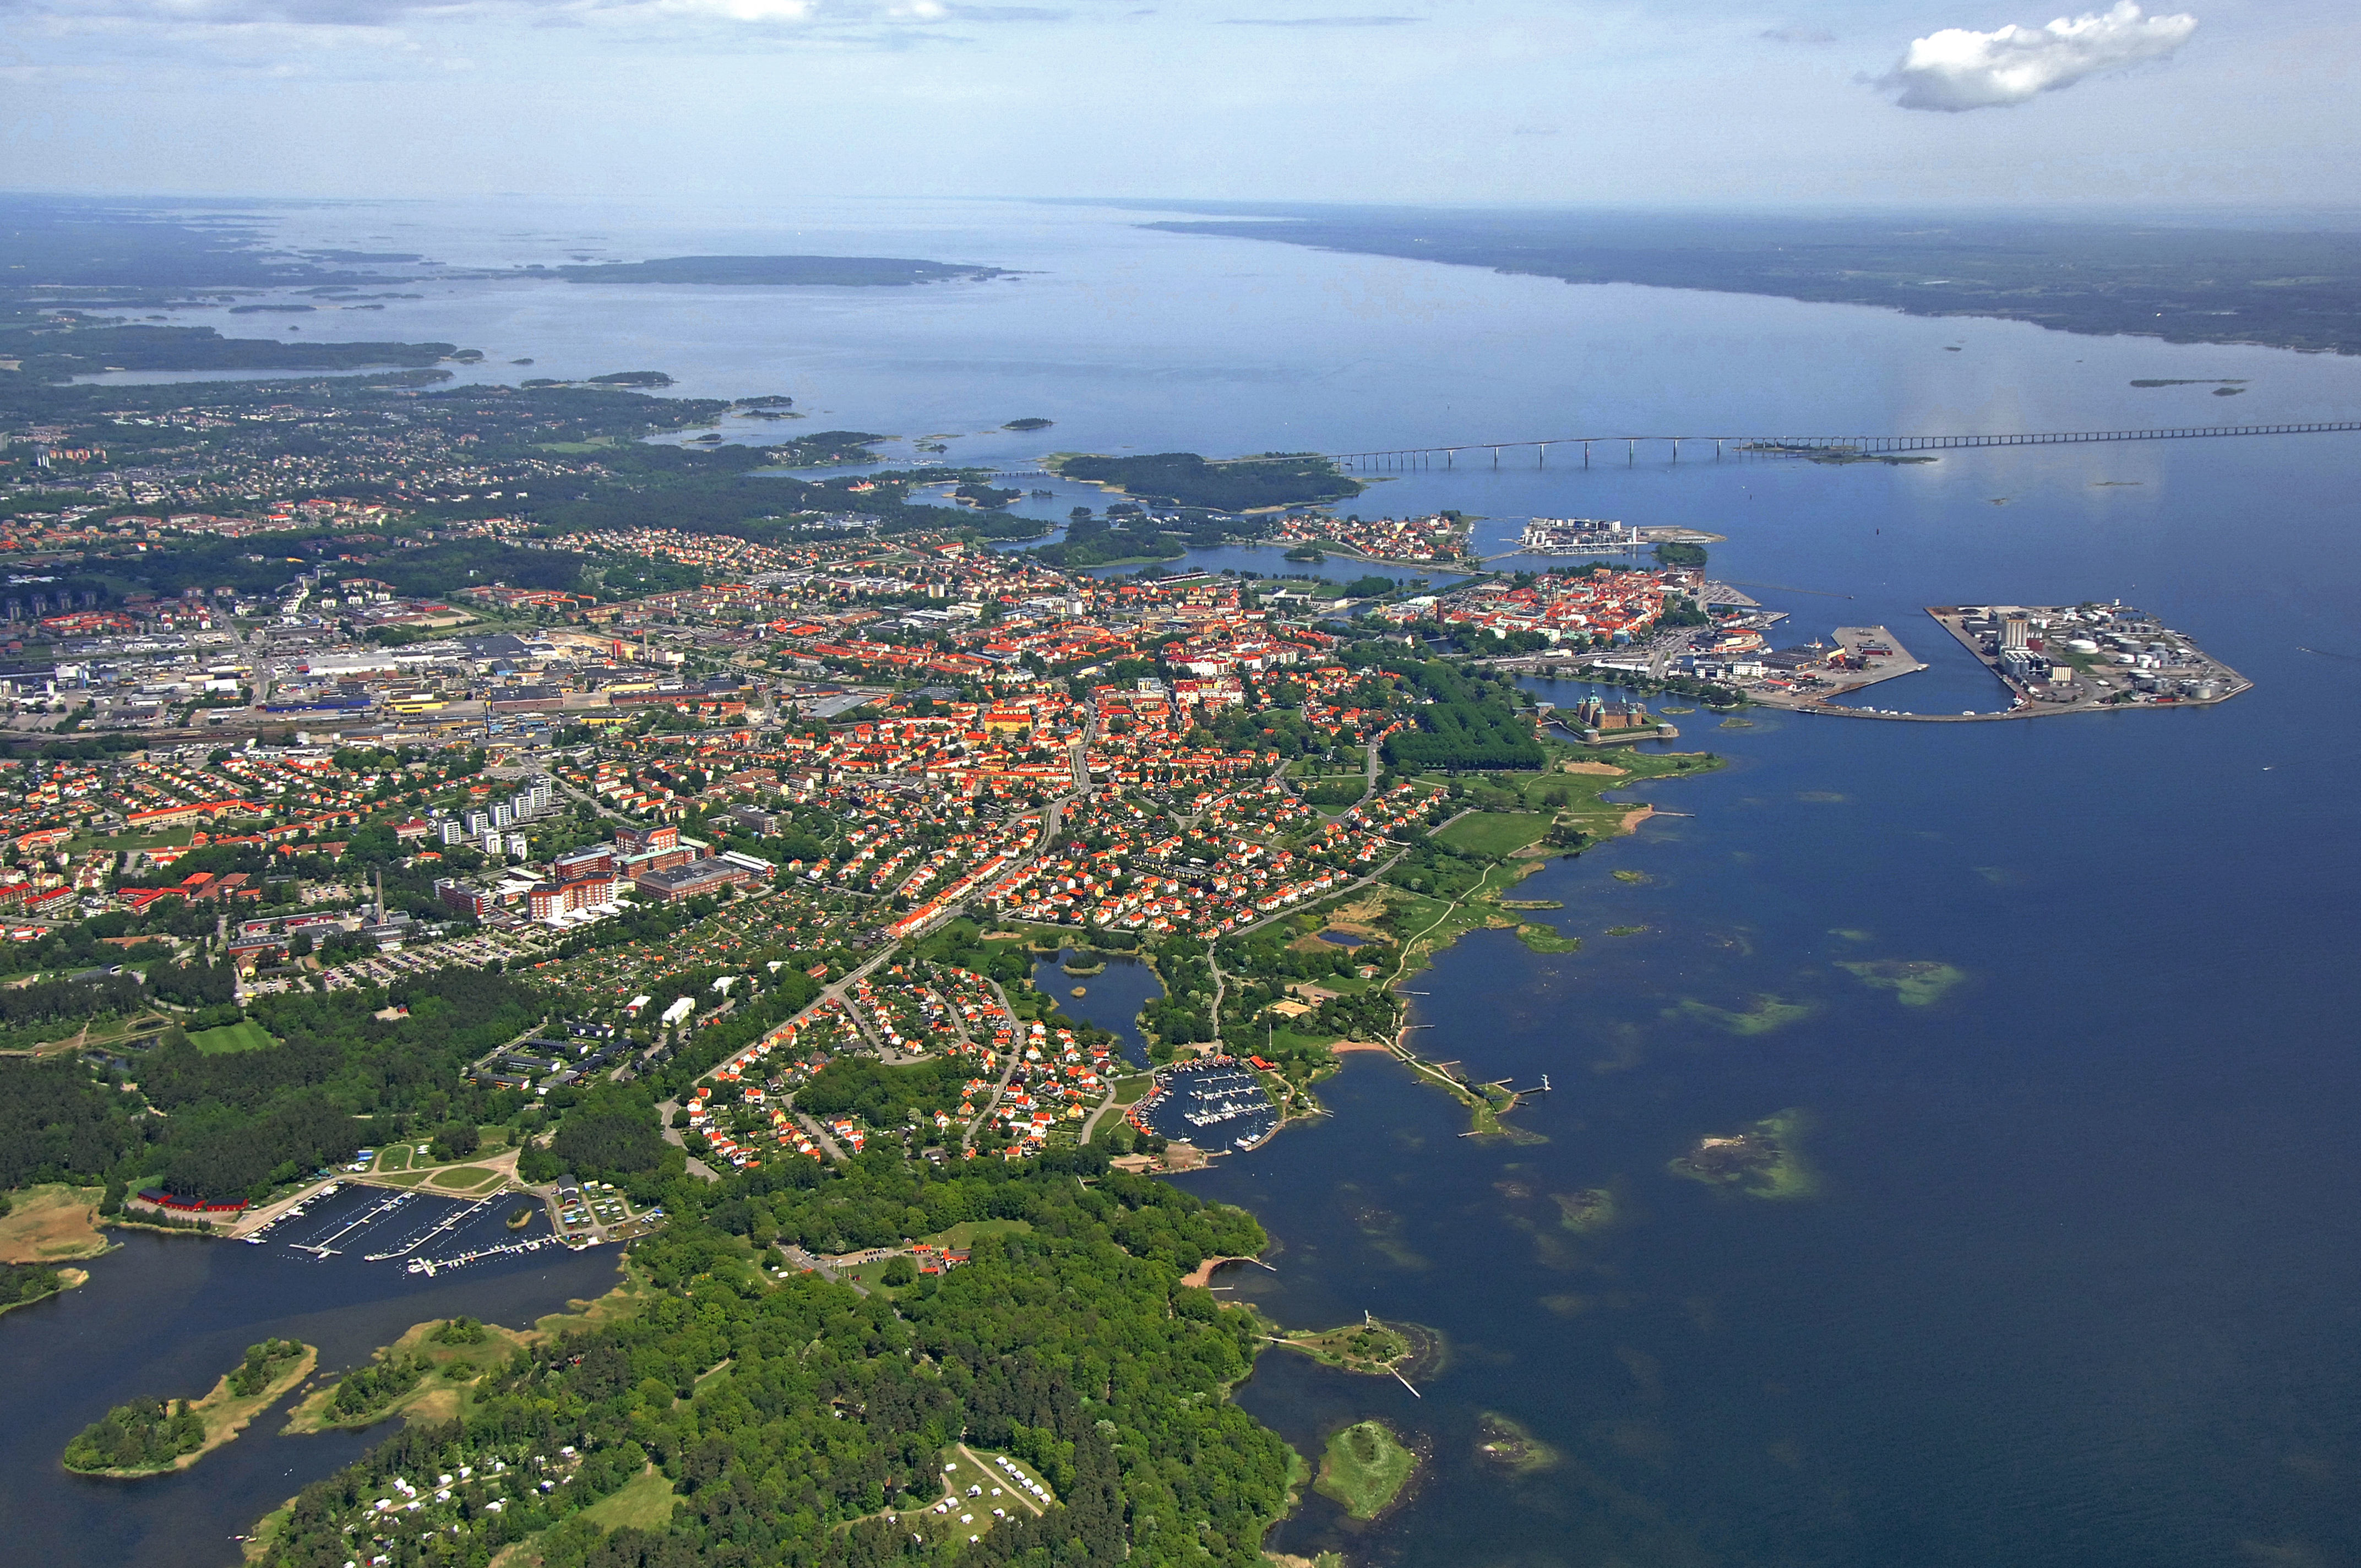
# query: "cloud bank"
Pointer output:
{"type": "Point", "coordinates": [1957, 70]}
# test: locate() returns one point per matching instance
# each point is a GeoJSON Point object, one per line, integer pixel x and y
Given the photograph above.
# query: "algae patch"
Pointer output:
{"type": "Point", "coordinates": [1768, 1012]}
{"type": "Point", "coordinates": [1591, 1209]}
{"type": "Point", "coordinates": [1914, 983]}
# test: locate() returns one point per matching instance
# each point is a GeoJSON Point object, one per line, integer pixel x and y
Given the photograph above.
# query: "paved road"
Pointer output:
{"type": "Point", "coordinates": [672, 1134]}
{"type": "Point", "coordinates": [1007, 1070]}
{"type": "Point", "coordinates": [1091, 1124]}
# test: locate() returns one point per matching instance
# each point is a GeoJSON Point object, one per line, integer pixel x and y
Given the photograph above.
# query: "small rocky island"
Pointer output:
{"type": "Point", "coordinates": [1761, 1161]}
{"type": "Point", "coordinates": [1506, 1442]}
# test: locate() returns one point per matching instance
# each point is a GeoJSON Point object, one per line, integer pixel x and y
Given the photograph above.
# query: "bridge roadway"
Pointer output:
{"type": "Point", "coordinates": [1797, 445]}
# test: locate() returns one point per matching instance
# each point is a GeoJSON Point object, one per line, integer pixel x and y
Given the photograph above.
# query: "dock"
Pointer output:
{"type": "Point", "coordinates": [1864, 656]}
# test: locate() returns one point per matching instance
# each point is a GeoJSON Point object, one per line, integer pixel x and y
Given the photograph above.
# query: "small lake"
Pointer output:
{"type": "Point", "coordinates": [166, 1316]}
{"type": "Point", "coordinates": [1111, 999]}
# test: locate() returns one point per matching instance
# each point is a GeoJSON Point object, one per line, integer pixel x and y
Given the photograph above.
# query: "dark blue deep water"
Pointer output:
{"type": "Point", "coordinates": [2081, 1280]}
{"type": "Point", "coordinates": [2079, 1286]}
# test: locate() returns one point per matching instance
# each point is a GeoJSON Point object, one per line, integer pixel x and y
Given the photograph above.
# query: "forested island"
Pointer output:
{"type": "Point", "coordinates": [1184, 479]}
{"type": "Point", "coordinates": [52, 349]}
{"type": "Point", "coordinates": [147, 1437]}
{"type": "Point", "coordinates": [2285, 288]}
{"type": "Point", "coordinates": [1131, 535]}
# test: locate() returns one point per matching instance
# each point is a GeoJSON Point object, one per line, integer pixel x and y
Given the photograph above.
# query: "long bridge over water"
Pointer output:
{"type": "Point", "coordinates": [1822, 446]}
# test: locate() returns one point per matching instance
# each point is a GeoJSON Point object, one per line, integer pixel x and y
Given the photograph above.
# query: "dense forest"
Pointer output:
{"type": "Point", "coordinates": [839, 271]}
{"type": "Point", "coordinates": [24, 1282]}
{"type": "Point", "coordinates": [883, 1096]}
{"type": "Point", "coordinates": [1470, 724]}
{"type": "Point", "coordinates": [57, 1126]}
{"type": "Point", "coordinates": [55, 351]}
{"type": "Point", "coordinates": [235, 1124]}
{"type": "Point", "coordinates": [145, 1434]}
{"type": "Point", "coordinates": [789, 1417]}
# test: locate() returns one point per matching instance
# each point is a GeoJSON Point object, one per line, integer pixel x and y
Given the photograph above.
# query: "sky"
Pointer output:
{"type": "Point", "coordinates": [2213, 103]}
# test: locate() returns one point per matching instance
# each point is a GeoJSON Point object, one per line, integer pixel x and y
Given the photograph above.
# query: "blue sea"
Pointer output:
{"type": "Point", "coordinates": [2078, 1281]}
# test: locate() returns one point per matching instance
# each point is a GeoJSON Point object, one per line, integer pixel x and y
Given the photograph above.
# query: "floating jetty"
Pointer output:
{"type": "Point", "coordinates": [327, 1245]}
{"type": "Point", "coordinates": [443, 1226]}
{"type": "Point", "coordinates": [431, 1266]}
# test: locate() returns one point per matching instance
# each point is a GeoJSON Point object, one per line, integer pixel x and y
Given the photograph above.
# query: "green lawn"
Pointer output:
{"type": "Point", "coordinates": [1365, 1468]}
{"type": "Point", "coordinates": [645, 1503]}
{"type": "Point", "coordinates": [967, 1232]}
{"type": "Point", "coordinates": [1496, 832]}
{"type": "Point", "coordinates": [246, 1035]}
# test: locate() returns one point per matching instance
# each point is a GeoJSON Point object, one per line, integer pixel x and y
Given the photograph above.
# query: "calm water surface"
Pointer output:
{"type": "Point", "coordinates": [2081, 1281]}
{"type": "Point", "coordinates": [1111, 999]}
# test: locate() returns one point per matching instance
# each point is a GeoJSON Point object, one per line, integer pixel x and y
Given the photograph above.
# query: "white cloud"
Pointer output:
{"type": "Point", "coordinates": [1957, 70]}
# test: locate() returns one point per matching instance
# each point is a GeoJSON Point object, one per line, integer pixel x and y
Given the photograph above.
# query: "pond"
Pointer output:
{"type": "Point", "coordinates": [1111, 999]}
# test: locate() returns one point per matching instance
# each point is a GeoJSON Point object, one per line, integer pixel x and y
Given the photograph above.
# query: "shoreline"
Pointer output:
{"type": "Point", "coordinates": [1487, 1102]}
{"type": "Point", "coordinates": [69, 1278]}
{"type": "Point", "coordinates": [226, 1415]}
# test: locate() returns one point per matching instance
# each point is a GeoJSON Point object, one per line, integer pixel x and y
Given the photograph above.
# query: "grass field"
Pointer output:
{"type": "Point", "coordinates": [968, 1515]}
{"type": "Point", "coordinates": [464, 1177]}
{"type": "Point", "coordinates": [1496, 832]}
{"type": "Point", "coordinates": [1365, 1469]}
{"type": "Point", "coordinates": [968, 1231]}
{"type": "Point", "coordinates": [645, 1503]}
{"type": "Point", "coordinates": [51, 1224]}
{"type": "Point", "coordinates": [440, 1395]}
{"type": "Point", "coordinates": [246, 1035]}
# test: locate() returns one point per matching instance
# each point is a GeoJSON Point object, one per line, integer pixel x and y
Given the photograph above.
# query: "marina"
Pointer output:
{"type": "Point", "coordinates": [1215, 1102]}
{"type": "Point", "coordinates": [428, 1234]}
